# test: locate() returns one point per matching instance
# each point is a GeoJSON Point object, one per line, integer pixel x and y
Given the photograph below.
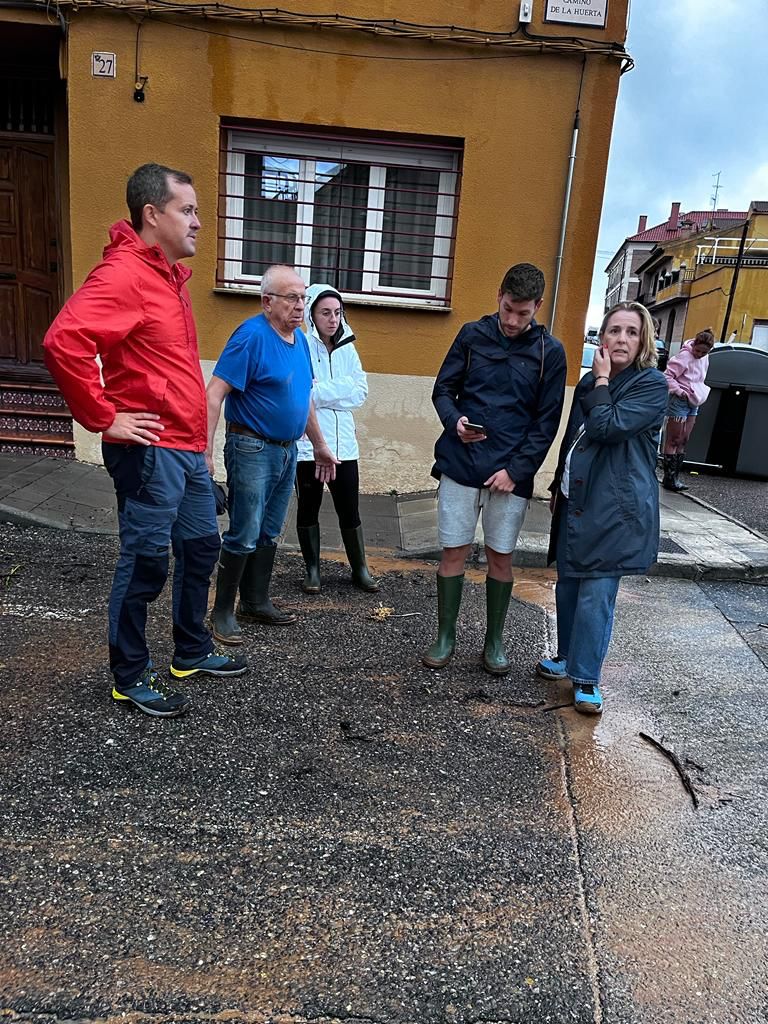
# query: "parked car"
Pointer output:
{"type": "Point", "coordinates": [662, 355]}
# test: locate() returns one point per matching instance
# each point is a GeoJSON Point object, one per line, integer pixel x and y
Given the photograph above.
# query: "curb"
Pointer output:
{"type": "Point", "coordinates": [531, 552]}
{"type": "Point", "coordinates": [17, 517]}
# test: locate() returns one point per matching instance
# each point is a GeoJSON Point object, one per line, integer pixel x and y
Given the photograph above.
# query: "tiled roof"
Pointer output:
{"type": "Point", "coordinates": [700, 219]}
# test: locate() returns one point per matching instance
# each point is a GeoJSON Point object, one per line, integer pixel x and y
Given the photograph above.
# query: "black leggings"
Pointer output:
{"type": "Point", "coordinates": [344, 491]}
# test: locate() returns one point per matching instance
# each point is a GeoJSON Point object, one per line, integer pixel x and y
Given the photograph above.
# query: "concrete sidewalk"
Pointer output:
{"type": "Point", "coordinates": [697, 540]}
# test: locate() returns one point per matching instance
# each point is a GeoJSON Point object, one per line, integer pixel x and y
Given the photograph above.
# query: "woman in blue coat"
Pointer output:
{"type": "Point", "coordinates": [605, 499]}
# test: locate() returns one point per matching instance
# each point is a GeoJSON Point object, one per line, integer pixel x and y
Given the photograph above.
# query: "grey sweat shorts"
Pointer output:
{"type": "Point", "coordinates": [459, 508]}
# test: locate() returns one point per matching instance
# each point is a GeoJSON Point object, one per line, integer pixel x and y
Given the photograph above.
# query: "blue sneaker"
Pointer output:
{"type": "Point", "coordinates": [213, 664]}
{"type": "Point", "coordinates": [587, 698]}
{"type": "Point", "coordinates": [551, 668]}
{"type": "Point", "coordinates": [150, 695]}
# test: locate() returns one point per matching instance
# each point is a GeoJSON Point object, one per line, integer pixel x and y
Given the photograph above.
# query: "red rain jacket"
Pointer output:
{"type": "Point", "coordinates": [133, 311]}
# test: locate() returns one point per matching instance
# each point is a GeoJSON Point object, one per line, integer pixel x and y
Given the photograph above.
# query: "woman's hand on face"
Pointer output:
{"type": "Point", "coordinates": [601, 363]}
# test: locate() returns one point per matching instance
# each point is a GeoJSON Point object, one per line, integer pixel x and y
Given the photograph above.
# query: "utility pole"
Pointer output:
{"type": "Point", "coordinates": [734, 281]}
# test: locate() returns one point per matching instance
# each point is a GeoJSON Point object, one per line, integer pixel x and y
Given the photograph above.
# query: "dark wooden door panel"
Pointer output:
{"type": "Point", "coordinates": [8, 261]}
{"type": "Point", "coordinates": [28, 255]}
{"type": "Point", "coordinates": [39, 312]}
{"type": "Point", "coordinates": [7, 210]}
{"type": "Point", "coordinates": [34, 183]}
{"type": "Point", "coordinates": [9, 321]}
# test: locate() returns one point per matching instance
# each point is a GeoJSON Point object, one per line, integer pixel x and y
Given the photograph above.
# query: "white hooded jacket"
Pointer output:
{"type": "Point", "coordinates": [340, 384]}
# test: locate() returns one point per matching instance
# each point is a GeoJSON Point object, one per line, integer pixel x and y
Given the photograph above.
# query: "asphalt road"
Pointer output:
{"type": "Point", "coordinates": [745, 500]}
{"type": "Point", "coordinates": [343, 835]}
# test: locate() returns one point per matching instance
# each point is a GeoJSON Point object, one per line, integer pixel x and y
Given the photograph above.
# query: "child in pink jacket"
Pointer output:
{"type": "Point", "coordinates": [685, 375]}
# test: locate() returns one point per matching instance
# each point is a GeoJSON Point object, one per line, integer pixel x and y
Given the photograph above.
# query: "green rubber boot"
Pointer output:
{"type": "Point", "coordinates": [223, 622]}
{"type": "Point", "coordinates": [449, 589]}
{"type": "Point", "coordinates": [255, 605]}
{"type": "Point", "coordinates": [309, 542]}
{"type": "Point", "coordinates": [497, 597]}
{"type": "Point", "coordinates": [354, 545]}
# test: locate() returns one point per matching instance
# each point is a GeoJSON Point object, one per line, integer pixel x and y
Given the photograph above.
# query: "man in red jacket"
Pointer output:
{"type": "Point", "coordinates": [133, 312]}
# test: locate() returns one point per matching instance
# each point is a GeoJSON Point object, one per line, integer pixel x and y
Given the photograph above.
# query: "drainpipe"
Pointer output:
{"type": "Point", "coordinates": [734, 281]}
{"type": "Point", "coordinates": [567, 201]}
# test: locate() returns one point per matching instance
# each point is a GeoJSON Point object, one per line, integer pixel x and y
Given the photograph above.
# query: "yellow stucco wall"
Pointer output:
{"type": "Point", "coordinates": [514, 113]}
{"type": "Point", "coordinates": [709, 292]}
{"type": "Point", "coordinates": [515, 116]}
{"type": "Point", "coordinates": [708, 302]}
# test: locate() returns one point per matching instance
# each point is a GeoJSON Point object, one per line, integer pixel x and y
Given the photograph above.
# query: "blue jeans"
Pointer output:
{"type": "Point", "coordinates": [584, 623]}
{"type": "Point", "coordinates": [585, 610]}
{"type": "Point", "coordinates": [260, 479]}
{"type": "Point", "coordinates": [680, 408]}
{"type": "Point", "coordinates": [164, 498]}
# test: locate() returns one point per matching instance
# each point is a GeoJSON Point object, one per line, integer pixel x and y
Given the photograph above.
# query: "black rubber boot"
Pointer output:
{"type": "Point", "coordinates": [309, 542]}
{"type": "Point", "coordinates": [255, 605]}
{"type": "Point", "coordinates": [354, 545]}
{"type": "Point", "coordinates": [497, 596]}
{"type": "Point", "coordinates": [449, 590]}
{"type": "Point", "coordinates": [668, 483]}
{"type": "Point", "coordinates": [223, 622]}
{"type": "Point", "coordinates": [679, 460]}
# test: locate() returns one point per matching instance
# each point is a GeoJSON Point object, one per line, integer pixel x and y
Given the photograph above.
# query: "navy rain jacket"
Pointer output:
{"type": "Point", "coordinates": [516, 392]}
{"type": "Point", "coordinates": [613, 503]}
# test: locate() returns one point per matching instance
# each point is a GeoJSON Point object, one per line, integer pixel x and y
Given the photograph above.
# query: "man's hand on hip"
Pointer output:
{"type": "Point", "coordinates": [138, 427]}
{"type": "Point", "coordinates": [501, 481]}
{"type": "Point", "coordinates": [325, 464]}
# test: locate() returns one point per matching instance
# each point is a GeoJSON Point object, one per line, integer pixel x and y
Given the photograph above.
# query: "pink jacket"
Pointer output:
{"type": "Point", "coordinates": [685, 375]}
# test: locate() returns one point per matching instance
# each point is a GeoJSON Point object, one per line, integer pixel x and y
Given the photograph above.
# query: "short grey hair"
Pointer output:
{"type": "Point", "coordinates": [269, 275]}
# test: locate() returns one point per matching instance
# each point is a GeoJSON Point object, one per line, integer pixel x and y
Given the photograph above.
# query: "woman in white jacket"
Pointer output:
{"type": "Point", "coordinates": [340, 385]}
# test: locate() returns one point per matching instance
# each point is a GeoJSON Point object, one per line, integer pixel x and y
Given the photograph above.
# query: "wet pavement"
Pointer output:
{"type": "Point", "coordinates": [343, 835]}
{"type": "Point", "coordinates": [743, 498]}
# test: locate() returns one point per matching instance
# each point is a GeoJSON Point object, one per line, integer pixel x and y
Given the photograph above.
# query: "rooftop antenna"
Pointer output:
{"type": "Point", "coordinates": [715, 189]}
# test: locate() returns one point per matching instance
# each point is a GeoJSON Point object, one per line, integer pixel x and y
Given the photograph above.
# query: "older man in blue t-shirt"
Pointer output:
{"type": "Point", "coordinates": [265, 375]}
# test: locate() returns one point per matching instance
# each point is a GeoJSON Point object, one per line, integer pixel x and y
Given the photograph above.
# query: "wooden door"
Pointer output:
{"type": "Point", "coordinates": [29, 278]}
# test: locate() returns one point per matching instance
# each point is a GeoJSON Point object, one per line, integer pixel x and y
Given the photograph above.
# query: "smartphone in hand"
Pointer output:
{"type": "Point", "coordinates": [476, 428]}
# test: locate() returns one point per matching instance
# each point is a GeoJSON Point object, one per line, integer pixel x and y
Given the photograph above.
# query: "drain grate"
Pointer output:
{"type": "Point", "coordinates": [669, 547]}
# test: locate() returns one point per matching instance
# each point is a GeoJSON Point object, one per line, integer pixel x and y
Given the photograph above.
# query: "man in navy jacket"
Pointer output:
{"type": "Point", "coordinates": [499, 395]}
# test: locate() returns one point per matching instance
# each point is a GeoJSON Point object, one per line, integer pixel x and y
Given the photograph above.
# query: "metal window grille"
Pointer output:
{"type": "Point", "coordinates": [374, 218]}
{"type": "Point", "coordinates": [26, 105]}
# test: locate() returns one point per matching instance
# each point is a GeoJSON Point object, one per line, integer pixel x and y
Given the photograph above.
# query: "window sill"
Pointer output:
{"type": "Point", "coordinates": [354, 300]}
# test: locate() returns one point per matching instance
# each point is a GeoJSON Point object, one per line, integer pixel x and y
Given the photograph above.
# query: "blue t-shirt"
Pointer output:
{"type": "Point", "coordinates": [271, 380]}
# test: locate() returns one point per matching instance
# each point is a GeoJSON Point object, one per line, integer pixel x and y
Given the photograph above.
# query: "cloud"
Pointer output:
{"type": "Point", "coordinates": [754, 186]}
{"type": "Point", "coordinates": [699, 17]}
{"type": "Point", "coordinates": [693, 106]}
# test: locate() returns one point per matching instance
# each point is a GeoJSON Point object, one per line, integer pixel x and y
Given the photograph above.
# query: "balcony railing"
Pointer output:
{"type": "Point", "coordinates": [676, 289]}
{"type": "Point", "coordinates": [724, 252]}
{"type": "Point", "coordinates": [730, 261]}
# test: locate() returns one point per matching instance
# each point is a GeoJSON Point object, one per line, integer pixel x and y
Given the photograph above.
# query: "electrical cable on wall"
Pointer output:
{"type": "Point", "coordinates": [139, 80]}
{"type": "Point", "coordinates": [519, 41]}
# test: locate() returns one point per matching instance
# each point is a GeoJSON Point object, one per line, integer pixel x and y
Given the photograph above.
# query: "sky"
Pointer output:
{"type": "Point", "coordinates": [694, 104]}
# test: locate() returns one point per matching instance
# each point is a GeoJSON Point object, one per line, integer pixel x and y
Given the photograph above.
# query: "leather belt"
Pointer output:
{"type": "Point", "coordinates": [238, 428]}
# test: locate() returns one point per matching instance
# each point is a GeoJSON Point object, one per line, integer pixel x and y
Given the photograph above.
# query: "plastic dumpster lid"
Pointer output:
{"type": "Point", "coordinates": [738, 364]}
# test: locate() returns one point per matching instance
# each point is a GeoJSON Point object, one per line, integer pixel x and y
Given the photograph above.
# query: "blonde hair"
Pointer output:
{"type": "Point", "coordinates": [646, 355]}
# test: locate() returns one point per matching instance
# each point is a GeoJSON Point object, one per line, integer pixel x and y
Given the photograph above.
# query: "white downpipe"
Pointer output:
{"type": "Point", "coordinates": [564, 223]}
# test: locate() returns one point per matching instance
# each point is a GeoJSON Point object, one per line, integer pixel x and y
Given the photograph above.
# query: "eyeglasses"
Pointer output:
{"type": "Point", "coordinates": [291, 298]}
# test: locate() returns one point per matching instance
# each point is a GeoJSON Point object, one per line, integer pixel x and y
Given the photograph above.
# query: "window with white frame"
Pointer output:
{"type": "Point", "coordinates": [375, 219]}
